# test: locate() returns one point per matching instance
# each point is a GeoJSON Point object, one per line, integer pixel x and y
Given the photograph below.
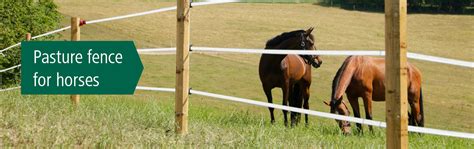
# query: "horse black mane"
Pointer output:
{"type": "Point", "coordinates": [282, 37]}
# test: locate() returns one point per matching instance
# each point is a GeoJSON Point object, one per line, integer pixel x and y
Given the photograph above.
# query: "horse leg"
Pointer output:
{"type": "Point", "coordinates": [306, 102]}
{"type": "Point", "coordinates": [413, 114]}
{"type": "Point", "coordinates": [411, 121]}
{"type": "Point", "coordinates": [355, 108]}
{"type": "Point", "coordinates": [268, 93]}
{"type": "Point", "coordinates": [296, 101]}
{"type": "Point", "coordinates": [293, 100]}
{"type": "Point", "coordinates": [285, 89]}
{"type": "Point", "coordinates": [368, 107]}
{"type": "Point", "coordinates": [421, 120]}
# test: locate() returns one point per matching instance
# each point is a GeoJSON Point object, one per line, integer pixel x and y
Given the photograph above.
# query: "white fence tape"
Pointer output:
{"type": "Point", "coordinates": [306, 52]}
{"type": "Point", "coordinates": [8, 48]}
{"type": "Point", "coordinates": [320, 52]}
{"type": "Point", "coordinates": [323, 52]}
{"type": "Point", "coordinates": [157, 50]}
{"type": "Point", "coordinates": [309, 112]}
{"type": "Point", "coordinates": [317, 113]}
{"type": "Point", "coordinates": [124, 17]}
{"type": "Point", "coordinates": [155, 11]}
{"type": "Point", "coordinates": [13, 67]}
{"type": "Point", "coordinates": [284, 52]}
{"type": "Point", "coordinates": [34, 37]}
{"type": "Point", "coordinates": [8, 89]}
{"type": "Point", "coordinates": [132, 15]}
{"type": "Point", "coordinates": [440, 60]}
{"type": "Point", "coordinates": [52, 32]}
{"type": "Point", "coordinates": [155, 89]}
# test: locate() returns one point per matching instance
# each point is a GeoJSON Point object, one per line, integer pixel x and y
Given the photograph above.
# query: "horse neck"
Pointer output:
{"type": "Point", "coordinates": [289, 44]}
{"type": "Point", "coordinates": [343, 78]}
{"type": "Point", "coordinates": [277, 57]}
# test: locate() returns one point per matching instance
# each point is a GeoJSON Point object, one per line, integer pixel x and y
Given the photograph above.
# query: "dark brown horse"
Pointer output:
{"type": "Point", "coordinates": [361, 76]}
{"type": "Point", "coordinates": [292, 73]}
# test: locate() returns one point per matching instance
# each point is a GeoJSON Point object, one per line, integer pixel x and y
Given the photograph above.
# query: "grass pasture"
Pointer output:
{"type": "Point", "coordinates": [147, 117]}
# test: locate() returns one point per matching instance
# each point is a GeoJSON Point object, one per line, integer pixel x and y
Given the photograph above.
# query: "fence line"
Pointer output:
{"type": "Point", "coordinates": [51, 32]}
{"type": "Point", "coordinates": [38, 36]}
{"type": "Point", "coordinates": [157, 50]}
{"type": "Point", "coordinates": [11, 88]}
{"type": "Point", "coordinates": [317, 113]}
{"type": "Point", "coordinates": [13, 67]}
{"type": "Point", "coordinates": [12, 46]}
{"type": "Point", "coordinates": [320, 52]}
{"type": "Point", "coordinates": [306, 52]}
{"type": "Point", "coordinates": [286, 51]}
{"type": "Point", "coordinates": [440, 60]}
{"type": "Point", "coordinates": [121, 17]}
{"type": "Point", "coordinates": [131, 15]}
{"type": "Point", "coordinates": [304, 111]}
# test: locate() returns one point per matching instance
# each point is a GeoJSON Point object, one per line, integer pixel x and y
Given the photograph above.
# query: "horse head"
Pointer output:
{"type": "Point", "coordinates": [297, 40]}
{"type": "Point", "coordinates": [307, 42]}
{"type": "Point", "coordinates": [341, 109]}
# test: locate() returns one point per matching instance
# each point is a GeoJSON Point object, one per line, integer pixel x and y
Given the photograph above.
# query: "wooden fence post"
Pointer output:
{"type": "Point", "coordinates": [396, 73]}
{"type": "Point", "coordinates": [182, 66]}
{"type": "Point", "coordinates": [28, 36]}
{"type": "Point", "coordinates": [75, 36]}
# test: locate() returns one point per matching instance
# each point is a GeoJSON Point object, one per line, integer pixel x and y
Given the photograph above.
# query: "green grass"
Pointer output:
{"type": "Point", "coordinates": [146, 118]}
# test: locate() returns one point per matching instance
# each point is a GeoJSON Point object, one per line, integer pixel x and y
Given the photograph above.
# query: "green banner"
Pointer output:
{"type": "Point", "coordinates": [79, 67]}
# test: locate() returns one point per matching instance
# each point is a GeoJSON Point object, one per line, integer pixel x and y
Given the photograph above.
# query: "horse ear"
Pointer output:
{"type": "Point", "coordinates": [308, 32]}
{"type": "Point", "coordinates": [325, 102]}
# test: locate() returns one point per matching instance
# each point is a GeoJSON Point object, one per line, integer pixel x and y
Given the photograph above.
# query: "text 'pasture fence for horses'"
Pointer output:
{"type": "Point", "coordinates": [395, 27]}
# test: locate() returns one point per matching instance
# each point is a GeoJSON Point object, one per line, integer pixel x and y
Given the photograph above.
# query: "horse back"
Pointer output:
{"type": "Point", "coordinates": [369, 76]}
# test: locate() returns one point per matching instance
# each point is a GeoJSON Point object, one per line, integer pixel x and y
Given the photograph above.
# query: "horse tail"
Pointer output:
{"type": "Point", "coordinates": [422, 121]}
{"type": "Point", "coordinates": [342, 79]}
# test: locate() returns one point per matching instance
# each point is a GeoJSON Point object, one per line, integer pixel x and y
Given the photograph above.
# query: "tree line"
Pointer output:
{"type": "Point", "coordinates": [18, 17]}
{"type": "Point", "coordinates": [448, 6]}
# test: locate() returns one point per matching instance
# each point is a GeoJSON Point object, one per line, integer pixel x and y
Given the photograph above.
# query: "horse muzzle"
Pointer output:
{"type": "Point", "coordinates": [316, 64]}
{"type": "Point", "coordinates": [345, 127]}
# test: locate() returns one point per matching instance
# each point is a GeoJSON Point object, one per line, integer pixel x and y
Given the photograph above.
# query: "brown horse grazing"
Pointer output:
{"type": "Point", "coordinates": [292, 73]}
{"type": "Point", "coordinates": [361, 76]}
{"type": "Point", "coordinates": [343, 110]}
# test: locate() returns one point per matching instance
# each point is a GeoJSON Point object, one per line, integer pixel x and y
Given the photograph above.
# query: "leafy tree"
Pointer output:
{"type": "Point", "coordinates": [18, 17]}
